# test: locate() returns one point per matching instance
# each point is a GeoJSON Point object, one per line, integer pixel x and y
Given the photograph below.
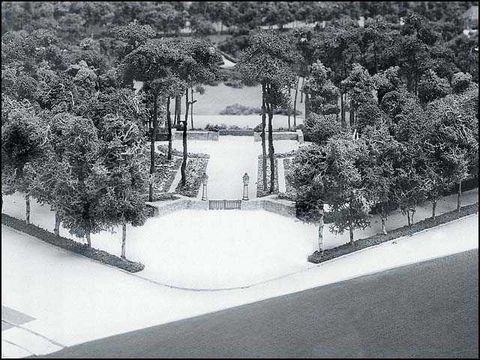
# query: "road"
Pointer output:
{"type": "Point", "coordinates": [428, 309]}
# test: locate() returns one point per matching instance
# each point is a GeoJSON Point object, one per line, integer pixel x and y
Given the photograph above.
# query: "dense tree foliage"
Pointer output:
{"type": "Point", "coordinates": [74, 130]}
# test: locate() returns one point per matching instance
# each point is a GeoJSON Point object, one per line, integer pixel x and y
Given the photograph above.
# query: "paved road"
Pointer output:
{"type": "Point", "coordinates": [428, 309]}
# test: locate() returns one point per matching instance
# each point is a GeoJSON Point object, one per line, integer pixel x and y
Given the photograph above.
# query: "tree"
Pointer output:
{"type": "Point", "coordinates": [201, 65]}
{"type": "Point", "coordinates": [133, 35]}
{"type": "Point", "coordinates": [378, 171]}
{"type": "Point", "coordinates": [269, 61]}
{"type": "Point", "coordinates": [320, 128]}
{"type": "Point", "coordinates": [347, 195]}
{"type": "Point", "coordinates": [156, 64]}
{"type": "Point", "coordinates": [359, 86]}
{"type": "Point", "coordinates": [432, 87]}
{"type": "Point", "coordinates": [323, 94]}
{"type": "Point", "coordinates": [22, 143]}
{"type": "Point", "coordinates": [454, 137]}
{"type": "Point", "coordinates": [122, 150]}
{"type": "Point", "coordinates": [82, 183]}
{"type": "Point", "coordinates": [307, 177]}
{"type": "Point", "coordinates": [387, 81]}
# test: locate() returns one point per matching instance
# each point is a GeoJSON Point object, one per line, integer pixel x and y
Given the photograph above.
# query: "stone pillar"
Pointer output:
{"type": "Point", "coordinates": [246, 179]}
{"type": "Point", "coordinates": [204, 186]}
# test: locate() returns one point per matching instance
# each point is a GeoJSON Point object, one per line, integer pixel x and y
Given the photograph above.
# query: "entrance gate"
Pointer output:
{"type": "Point", "coordinates": [224, 204]}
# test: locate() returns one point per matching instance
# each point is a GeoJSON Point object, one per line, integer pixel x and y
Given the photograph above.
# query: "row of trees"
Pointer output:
{"type": "Point", "coordinates": [74, 132]}
{"type": "Point", "coordinates": [80, 19]}
{"type": "Point", "coordinates": [400, 150]}
{"type": "Point", "coordinates": [348, 69]}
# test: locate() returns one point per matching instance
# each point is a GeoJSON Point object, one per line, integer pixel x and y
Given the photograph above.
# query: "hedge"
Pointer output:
{"type": "Point", "coordinates": [71, 245]}
{"type": "Point", "coordinates": [428, 223]}
{"type": "Point", "coordinates": [164, 149]}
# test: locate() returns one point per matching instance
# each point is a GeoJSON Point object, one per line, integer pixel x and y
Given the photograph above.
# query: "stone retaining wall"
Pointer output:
{"type": "Point", "coordinates": [277, 135]}
{"type": "Point", "coordinates": [197, 135]}
{"type": "Point", "coordinates": [268, 203]}
{"type": "Point", "coordinates": [233, 132]}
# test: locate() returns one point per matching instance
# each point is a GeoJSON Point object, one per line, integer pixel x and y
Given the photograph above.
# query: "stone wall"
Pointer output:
{"type": "Point", "coordinates": [198, 135]}
{"type": "Point", "coordinates": [234, 132]}
{"type": "Point", "coordinates": [268, 203]}
{"type": "Point", "coordinates": [277, 135]}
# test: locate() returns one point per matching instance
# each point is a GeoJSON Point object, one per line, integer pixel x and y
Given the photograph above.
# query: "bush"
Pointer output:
{"type": "Point", "coordinates": [215, 127]}
{"type": "Point", "coordinates": [319, 128]}
{"type": "Point", "coordinates": [237, 84]}
{"type": "Point", "coordinates": [461, 82]}
{"type": "Point", "coordinates": [71, 245]}
{"type": "Point", "coordinates": [238, 109]}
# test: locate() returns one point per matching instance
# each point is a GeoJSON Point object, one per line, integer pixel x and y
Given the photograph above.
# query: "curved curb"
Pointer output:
{"type": "Point", "coordinates": [313, 266]}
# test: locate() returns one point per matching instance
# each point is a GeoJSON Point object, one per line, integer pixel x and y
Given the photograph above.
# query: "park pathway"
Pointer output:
{"type": "Point", "coordinates": [230, 158]}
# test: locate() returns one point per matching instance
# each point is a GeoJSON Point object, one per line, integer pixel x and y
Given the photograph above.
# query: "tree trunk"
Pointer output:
{"type": "Point", "coordinates": [301, 90]}
{"type": "Point", "coordinates": [289, 107]}
{"type": "Point", "coordinates": [264, 148]}
{"type": "Point", "coordinates": [178, 108]}
{"type": "Point", "coordinates": [89, 240]}
{"type": "Point", "coordinates": [352, 118]}
{"type": "Point", "coordinates": [271, 151]}
{"type": "Point", "coordinates": [152, 147]}
{"type": "Point", "coordinates": [459, 194]}
{"type": "Point", "coordinates": [320, 229]}
{"type": "Point", "coordinates": [169, 129]}
{"type": "Point", "coordinates": [175, 112]}
{"type": "Point", "coordinates": [184, 162]}
{"type": "Point", "coordinates": [413, 213]}
{"type": "Point", "coordinates": [191, 108]}
{"type": "Point", "coordinates": [307, 106]}
{"type": "Point", "coordinates": [56, 230]}
{"type": "Point", "coordinates": [124, 237]}
{"type": "Point", "coordinates": [295, 103]}
{"type": "Point", "coordinates": [342, 111]}
{"type": "Point", "coordinates": [408, 218]}
{"type": "Point", "coordinates": [434, 206]}
{"type": "Point", "coordinates": [27, 208]}
{"type": "Point", "coordinates": [384, 229]}
{"type": "Point", "coordinates": [351, 235]}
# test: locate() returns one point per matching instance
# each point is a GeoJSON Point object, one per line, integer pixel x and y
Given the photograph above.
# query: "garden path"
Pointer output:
{"type": "Point", "coordinates": [230, 158]}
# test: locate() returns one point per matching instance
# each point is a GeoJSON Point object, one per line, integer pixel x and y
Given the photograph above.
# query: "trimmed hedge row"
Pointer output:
{"type": "Point", "coordinates": [175, 152]}
{"type": "Point", "coordinates": [344, 249]}
{"type": "Point", "coordinates": [70, 245]}
{"type": "Point", "coordinates": [290, 154]}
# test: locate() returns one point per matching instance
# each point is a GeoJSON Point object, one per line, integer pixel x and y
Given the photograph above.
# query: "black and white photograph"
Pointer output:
{"type": "Point", "coordinates": [239, 179]}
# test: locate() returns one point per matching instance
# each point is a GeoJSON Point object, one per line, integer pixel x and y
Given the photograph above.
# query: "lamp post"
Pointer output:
{"type": "Point", "coordinates": [204, 186]}
{"type": "Point", "coordinates": [246, 178]}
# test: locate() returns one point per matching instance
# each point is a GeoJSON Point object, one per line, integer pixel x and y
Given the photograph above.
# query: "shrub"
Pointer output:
{"type": "Point", "coordinates": [319, 128]}
{"type": "Point", "coordinates": [237, 84]}
{"type": "Point", "coordinates": [461, 82]}
{"type": "Point", "coordinates": [238, 109]}
{"type": "Point", "coordinates": [215, 127]}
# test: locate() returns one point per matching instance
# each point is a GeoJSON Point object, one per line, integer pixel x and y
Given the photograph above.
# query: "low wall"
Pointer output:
{"type": "Point", "coordinates": [197, 135]}
{"type": "Point", "coordinates": [236, 132]}
{"type": "Point", "coordinates": [277, 135]}
{"type": "Point", "coordinates": [274, 205]}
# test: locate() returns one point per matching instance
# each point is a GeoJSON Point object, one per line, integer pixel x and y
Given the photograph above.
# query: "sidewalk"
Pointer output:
{"type": "Point", "coordinates": [73, 299]}
{"type": "Point", "coordinates": [220, 249]}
